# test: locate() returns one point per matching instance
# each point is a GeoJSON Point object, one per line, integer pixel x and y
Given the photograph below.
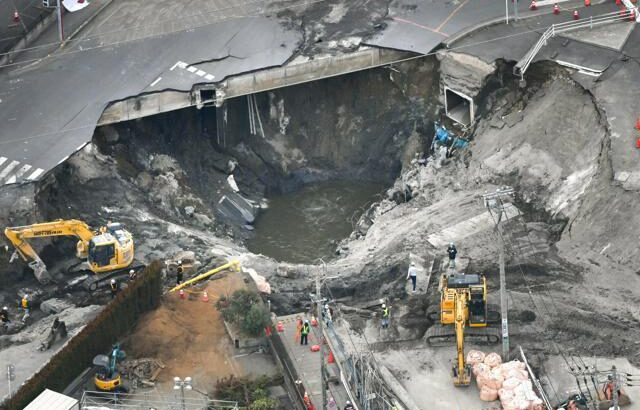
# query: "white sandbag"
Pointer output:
{"type": "Point", "coordinates": [481, 379]}
{"type": "Point", "coordinates": [521, 404]}
{"type": "Point", "coordinates": [480, 368]}
{"type": "Point", "coordinates": [516, 374]}
{"type": "Point", "coordinates": [474, 357]}
{"type": "Point", "coordinates": [536, 404]}
{"type": "Point", "coordinates": [506, 395]}
{"type": "Point", "coordinates": [492, 359]}
{"type": "Point", "coordinates": [494, 379]}
{"type": "Point", "coordinates": [511, 384]}
{"type": "Point", "coordinates": [488, 394]}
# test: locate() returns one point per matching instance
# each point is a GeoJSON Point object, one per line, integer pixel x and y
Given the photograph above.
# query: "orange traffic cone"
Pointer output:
{"type": "Point", "coordinates": [205, 296]}
{"type": "Point", "coordinates": [182, 295]}
{"type": "Point", "coordinates": [638, 124]}
{"type": "Point", "coordinates": [280, 327]}
{"type": "Point", "coordinates": [576, 15]}
{"type": "Point", "coordinates": [638, 143]}
{"type": "Point", "coordinates": [587, 3]}
{"type": "Point", "coordinates": [533, 5]}
{"type": "Point", "coordinates": [314, 321]}
{"type": "Point", "coordinates": [331, 359]}
{"type": "Point", "coordinates": [556, 9]}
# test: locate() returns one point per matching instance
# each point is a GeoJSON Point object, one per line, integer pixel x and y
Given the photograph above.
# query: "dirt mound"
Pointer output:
{"type": "Point", "coordinates": [188, 336]}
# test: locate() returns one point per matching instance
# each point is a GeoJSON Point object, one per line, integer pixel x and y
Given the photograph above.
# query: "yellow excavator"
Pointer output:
{"type": "Point", "coordinates": [463, 303]}
{"type": "Point", "coordinates": [109, 249]}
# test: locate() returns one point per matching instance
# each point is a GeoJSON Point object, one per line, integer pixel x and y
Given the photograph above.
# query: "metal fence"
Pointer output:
{"type": "Point", "coordinates": [594, 21]}
{"type": "Point", "coordinates": [151, 400]}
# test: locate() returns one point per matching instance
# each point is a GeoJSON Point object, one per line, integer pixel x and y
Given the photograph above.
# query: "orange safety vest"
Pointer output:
{"type": "Point", "coordinates": [25, 303]}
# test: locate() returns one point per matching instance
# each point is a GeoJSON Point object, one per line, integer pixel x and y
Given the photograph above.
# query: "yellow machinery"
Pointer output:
{"type": "Point", "coordinates": [107, 250]}
{"type": "Point", "coordinates": [463, 303]}
{"type": "Point", "coordinates": [107, 377]}
{"type": "Point", "coordinates": [233, 265]}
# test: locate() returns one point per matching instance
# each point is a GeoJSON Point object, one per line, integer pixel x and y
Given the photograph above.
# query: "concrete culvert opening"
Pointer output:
{"type": "Point", "coordinates": [459, 107]}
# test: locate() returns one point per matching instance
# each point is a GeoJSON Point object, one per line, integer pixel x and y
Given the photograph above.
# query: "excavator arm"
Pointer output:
{"type": "Point", "coordinates": [461, 373]}
{"type": "Point", "coordinates": [18, 237]}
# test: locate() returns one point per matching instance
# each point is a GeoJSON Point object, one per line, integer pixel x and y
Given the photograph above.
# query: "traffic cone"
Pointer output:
{"type": "Point", "coordinates": [267, 331]}
{"type": "Point", "coordinates": [556, 9]}
{"type": "Point", "coordinates": [638, 143]}
{"type": "Point", "coordinates": [587, 3]}
{"type": "Point", "coordinates": [638, 124]}
{"type": "Point", "coordinates": [182, 295]}
{"type": "Point", "coordinates": [280, 327]}
{"type": "Point", "coordinates": [331, 359]}
{"type": "Point", "coordinates": [576, 15]}
{"type": "Point", "coordinates": [618, 2]}
{"type": "Point", "coordinates": [16, 16]}
{"type": "Point", "coordinates": [533, 5]}
{"type": "Point", "coordinates": [314, 322]}
{"type": "Point", "coordinates": [205, 296]}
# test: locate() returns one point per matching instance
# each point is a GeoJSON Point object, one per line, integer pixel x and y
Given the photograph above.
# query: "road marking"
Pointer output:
{"type": "Point", "coordinates": [200, 73]}
{"type": "Point", "coordinates": [192, 69]}
{"type": "Point", "coordinates": [179, 64]}
{"type": "Point", "coordinates": [81, 146]}
{"type": "Point", "coordinates": [450, 16]}
{"type": "Point", "coordinates": [156, 81]}
{"type": "Point", "coordinates": [35, 174]}
{"type": "Point", "coordinates": [21, 171]}
{"type": "Point", "coordinates": [8, 169]}
{"type": "Point", "coordinates": [419, 25]}
{"type": "Point", "coordinates": [63, 160]}
{"type": "Point", "coordinates": [2, 160]}
{"type": "Point", "coordinates": [209, 77]}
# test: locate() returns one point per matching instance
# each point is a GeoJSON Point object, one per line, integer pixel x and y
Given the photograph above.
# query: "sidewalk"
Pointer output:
{"type": "Point", "coordinates": [49, 41]}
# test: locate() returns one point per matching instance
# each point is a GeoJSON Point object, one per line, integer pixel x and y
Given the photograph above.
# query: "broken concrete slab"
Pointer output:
{"type": "Point", "coordinates": [237, 208]}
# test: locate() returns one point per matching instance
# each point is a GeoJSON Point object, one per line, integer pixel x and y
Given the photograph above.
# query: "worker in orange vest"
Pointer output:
{"type": "Point", "coordinates": [609, 388]}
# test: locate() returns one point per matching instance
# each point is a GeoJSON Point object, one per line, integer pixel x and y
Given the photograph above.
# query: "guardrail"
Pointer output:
{"type": "Point", "coordinates": [151, 400]}
{"type": "Point", "coordinates": [593, 21]}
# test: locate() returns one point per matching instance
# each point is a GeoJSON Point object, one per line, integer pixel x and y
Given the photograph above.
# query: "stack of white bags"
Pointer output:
{"type": "Point", "coordinates": [507, 381]}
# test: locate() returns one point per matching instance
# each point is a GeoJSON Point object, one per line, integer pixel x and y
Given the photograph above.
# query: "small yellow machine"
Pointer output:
{"type": "Point", "coordinates": [463, 303]}
{"type": "Point", "coordinates": [107, 377]}
{"type": "Point", "coordinates": [106, 250]}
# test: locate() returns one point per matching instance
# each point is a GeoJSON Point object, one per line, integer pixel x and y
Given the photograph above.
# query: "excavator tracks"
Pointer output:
{"type": "Point", "coordinates": [493, 316]}
{"type": "Point", "coordinates": [439, 335]}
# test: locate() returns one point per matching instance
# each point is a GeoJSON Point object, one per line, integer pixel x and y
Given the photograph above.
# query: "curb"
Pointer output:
{"type": "Point", "coordinates": [84, 24]}
{"type": "Point", "coordinates": [488, 23]}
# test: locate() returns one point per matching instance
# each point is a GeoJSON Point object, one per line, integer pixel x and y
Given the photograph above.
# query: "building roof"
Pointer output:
{"type": "Point", "coordinates": [50, 400]}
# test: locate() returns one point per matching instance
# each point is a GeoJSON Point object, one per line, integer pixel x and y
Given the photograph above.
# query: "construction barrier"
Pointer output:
{"type": "Point", "coordinates": [115, 320]}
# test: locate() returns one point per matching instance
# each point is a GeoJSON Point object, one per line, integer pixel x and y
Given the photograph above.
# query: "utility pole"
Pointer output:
{"type": "Point", "coordinates": [615, 388]}
{"type": "Point", "coordinates": [60, 28]}
{"type": "Point", "coordinates": [495, 205]}
{"type": "Point", "coordinates": [323, 383]}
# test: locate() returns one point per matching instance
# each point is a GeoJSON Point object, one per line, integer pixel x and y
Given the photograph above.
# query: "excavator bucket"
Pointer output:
{"type": "Point", "coordinates": [40, 271]}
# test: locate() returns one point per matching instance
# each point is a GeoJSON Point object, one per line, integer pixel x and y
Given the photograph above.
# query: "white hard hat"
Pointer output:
{"type": "Point", "coordinates": [26, 296]}
{"type": "Point", "coordinates": [413, 264]}
{"type": "Point", "coordinates": [179, 262]}
{"type": "Point", "coordinates": [113, 281]}
{"type": "Point", "coordinates": [451, 243]}
{"type": "Point", "coordinates": [5, 308]}
{"type": "Point", "coordinates": [348, 402]}
{"type": "Point", "coordinates": [326, 306]}
{"type": "Point", "coordinates": [384, 306]}
{"type": "Point", "coordinates": [306, 321]}
{"type": "Point", "coordinates": [132, 271]}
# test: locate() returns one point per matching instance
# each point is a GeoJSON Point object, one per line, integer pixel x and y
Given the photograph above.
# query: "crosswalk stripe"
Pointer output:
{"type": "Point", "coordinates": [35, 174]}
{"type": "Point", "coordinates": [2, 160]}
{"type": "Point", "coordinates": [8, 169]}
{"type": "Point", "coordinates": [22, 171]}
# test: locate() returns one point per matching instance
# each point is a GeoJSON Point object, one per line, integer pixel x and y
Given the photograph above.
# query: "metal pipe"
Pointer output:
{"type": "Point", "coordinates": [235, 265]}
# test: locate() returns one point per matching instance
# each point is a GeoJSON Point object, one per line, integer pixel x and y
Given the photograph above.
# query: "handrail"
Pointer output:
{"type": "Point", "coordinates": [607, 18]}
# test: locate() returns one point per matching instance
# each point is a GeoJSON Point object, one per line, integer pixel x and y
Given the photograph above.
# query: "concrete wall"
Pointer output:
{"type": "Point", "coordinates": [264, 80]}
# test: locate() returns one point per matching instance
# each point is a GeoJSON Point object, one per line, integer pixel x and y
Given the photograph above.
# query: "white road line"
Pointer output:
{"type": "Point", "coordinates": [63, 160]}
{"type": "Point", "coordinates": [2, 160]}
{"type": "Point", "coordinates": [179, 64]}
{"type": "Point", "coordinates": [22, 171]}
{"type": "Point", "coordinates": [192, 69]}
{"type": "Point", "coordinates": [81, 146]}
{"type": "Point", "coordinates": [156, 81]}
{"type": "Point", "coordinates": [209, 77]}
{"type": "Point", "coordinates": [200, 73]}
{"type": "Point", "coordinates": [8, 169]}
{"type": "Point", "coordinates": [35, 174]}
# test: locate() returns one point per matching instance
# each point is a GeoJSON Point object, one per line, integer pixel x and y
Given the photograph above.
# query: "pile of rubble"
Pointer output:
{"type": "Point", "coordinates": [142, 372]}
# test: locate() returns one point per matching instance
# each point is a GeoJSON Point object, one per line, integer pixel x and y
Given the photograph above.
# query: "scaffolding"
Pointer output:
{"type": "Point", "coordinates": [92, 400]}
